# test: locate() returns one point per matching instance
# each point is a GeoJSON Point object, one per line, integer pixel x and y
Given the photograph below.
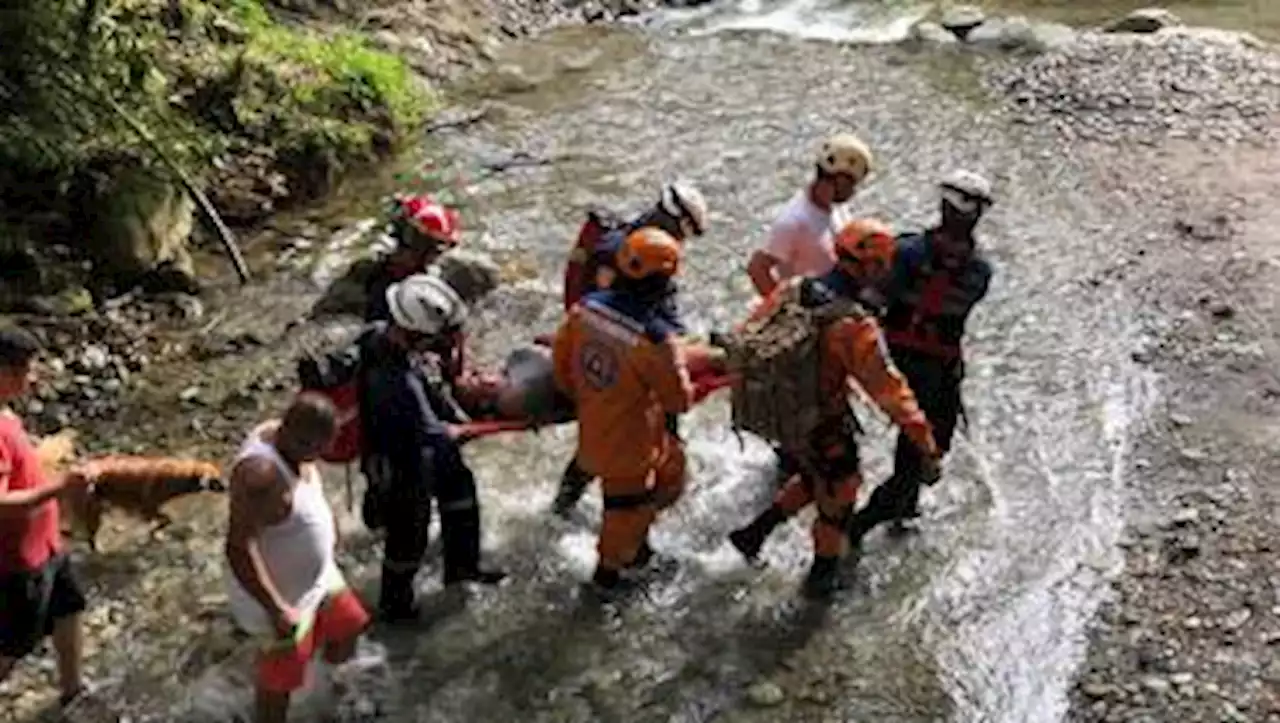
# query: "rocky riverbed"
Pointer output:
{"type": "Point", "coordinates": [1192, 633]}
{"type": "Point", "coordinates": [1191, 630]}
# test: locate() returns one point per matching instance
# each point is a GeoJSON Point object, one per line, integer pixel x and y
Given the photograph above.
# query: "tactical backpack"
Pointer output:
{"type": "Point", "coordinates": [777, 358]}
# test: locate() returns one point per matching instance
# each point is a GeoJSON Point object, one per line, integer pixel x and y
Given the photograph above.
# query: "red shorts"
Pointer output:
{"type": "Point", "coordinates": [282, 666]}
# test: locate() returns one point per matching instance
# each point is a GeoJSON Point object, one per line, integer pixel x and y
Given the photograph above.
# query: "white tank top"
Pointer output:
{"type": "Point", "coordinates": [298, 552]}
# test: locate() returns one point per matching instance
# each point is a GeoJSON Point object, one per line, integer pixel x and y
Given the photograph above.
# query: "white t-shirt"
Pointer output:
{"type": "Point", "coordinates": [800, 239]}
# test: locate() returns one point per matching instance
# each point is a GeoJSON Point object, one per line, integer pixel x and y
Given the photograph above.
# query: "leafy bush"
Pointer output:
{"type": "Point", "coordinates": [211, 80]}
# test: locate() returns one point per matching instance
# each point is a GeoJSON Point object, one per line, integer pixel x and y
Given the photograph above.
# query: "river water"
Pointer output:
{"type": "Point", "coordinates": [981, 617]}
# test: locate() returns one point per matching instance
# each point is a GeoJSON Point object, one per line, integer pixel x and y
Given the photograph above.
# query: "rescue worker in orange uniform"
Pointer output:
{"type": "Point", "coordinates": [681, 211]}
{"type": "Point", "coordinates": [852, 350]}
{"type": "Point", "coordinates": [618, 357]}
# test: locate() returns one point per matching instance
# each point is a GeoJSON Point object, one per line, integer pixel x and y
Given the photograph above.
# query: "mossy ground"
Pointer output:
{"type": "Point", "coordinates": [259, 109]}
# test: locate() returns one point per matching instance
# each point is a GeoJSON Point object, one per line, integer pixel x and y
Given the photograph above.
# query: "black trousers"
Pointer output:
{"type": "Point", "coordinates": [451, 485]}
{"type": "Point", "coordinates": [936, 384]}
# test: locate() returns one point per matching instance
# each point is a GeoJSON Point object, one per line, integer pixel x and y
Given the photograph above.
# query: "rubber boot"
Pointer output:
{"type": "Point", "coordinates": [396, 597]}
{"type": "Point", "coordinates": [751, 538]}
{"type": "Point", "coordinates": [823, 579]}
{"type": "Point", "coordinates": [573, 483]}
{"type": "Point", "coordinates": [461, 532]}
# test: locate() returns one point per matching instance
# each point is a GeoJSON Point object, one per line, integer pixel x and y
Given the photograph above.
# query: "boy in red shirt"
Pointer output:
{"type": "Point", "coordinates": [39, 595]}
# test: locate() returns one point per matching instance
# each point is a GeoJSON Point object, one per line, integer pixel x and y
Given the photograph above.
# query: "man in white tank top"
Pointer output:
{"type": "Point", "coordinates": [285, 585]}
{"type": "Point", "coordinates": [800, 237]}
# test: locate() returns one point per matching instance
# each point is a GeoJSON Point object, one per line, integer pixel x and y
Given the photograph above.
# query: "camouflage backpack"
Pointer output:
{"type": "Point", "coordinates": [778, 395]}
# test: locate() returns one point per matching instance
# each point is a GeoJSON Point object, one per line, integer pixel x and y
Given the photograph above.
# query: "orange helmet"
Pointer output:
{"type": "Point", "coordinates": [866, 242]}
{"type": "Point", "coordinates": [648, 252]}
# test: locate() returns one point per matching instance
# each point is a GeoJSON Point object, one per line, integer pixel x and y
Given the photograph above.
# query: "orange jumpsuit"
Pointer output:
{"type": "Point", "coordinates": [852, 349]}
{"type": "Point", "coordinates": [625, 376]}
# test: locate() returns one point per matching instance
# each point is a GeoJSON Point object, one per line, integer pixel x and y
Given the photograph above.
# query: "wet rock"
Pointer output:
{"type": "Point", "coordinates": [1236, 619]}
{"type": "Point", "coordinates": [1098, 691]}
{"type": "Point", "coordinates": [1144, 20]}
{"type": "Point", "coordinates": [931, 33]}
{"type": "Point", "coordinates": [513, 79]}
{"type": "Point", "coordinates": [473, 275]}
{"type": "Point", "coordinates": [1181, 550]}
{"type": "Point", "coordinates": [1192, 454]}
{"type": "Point", "coordinates": [140, 223]}
{"type": "Point", "coordinates": [1221, 310]}
{"type": "Point", "coordinates": [766, 694]}
{"type": "Point", "coordinates": [962, 19]}
{"type": "Point", "coordinates": [93, 358]}
{"type": "Point", "coordinates": [1018, 34]}
{"type": "Point", "coordinates": [1185, 517]}
{"type": "Point", "coordinates": [1156, 685]}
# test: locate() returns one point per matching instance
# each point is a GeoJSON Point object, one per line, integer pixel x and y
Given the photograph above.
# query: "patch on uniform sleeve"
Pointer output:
{"type": "Point", "coordinates": [578, 256]}
{"type": "Point", "coordinates": [599, 364]}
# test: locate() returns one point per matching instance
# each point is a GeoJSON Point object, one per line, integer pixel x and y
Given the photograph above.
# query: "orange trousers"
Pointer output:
{"type": "Point", "coordinates": [835, 501]}
{"type": "Point", "coordinates": [631, 504]}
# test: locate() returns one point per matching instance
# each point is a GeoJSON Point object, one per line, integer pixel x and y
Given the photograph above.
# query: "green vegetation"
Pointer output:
{"type": "Point", "coordinates": [257, 109]}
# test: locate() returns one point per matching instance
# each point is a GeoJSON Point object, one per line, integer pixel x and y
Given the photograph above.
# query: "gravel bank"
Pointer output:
{"type": "Point", "coordinates": [1184, 125]}
{"type": "Point", "coordinates": [1192, 633]}
{"type": "Point", "coordinates": [1145, 88]}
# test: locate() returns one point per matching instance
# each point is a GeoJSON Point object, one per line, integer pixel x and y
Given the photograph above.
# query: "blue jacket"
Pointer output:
{"type": "Point", "coordinates": [926, 305]}
{"type": "Point", "coordinates": [403, 420]}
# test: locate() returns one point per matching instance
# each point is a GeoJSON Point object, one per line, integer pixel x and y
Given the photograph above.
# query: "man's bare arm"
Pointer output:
{"type": "Point", "coordinates": [19, 503]}
{"type": "Point", "coordinates": [761, 270]}
{"type": "Point", "coordinates": [255, 498]}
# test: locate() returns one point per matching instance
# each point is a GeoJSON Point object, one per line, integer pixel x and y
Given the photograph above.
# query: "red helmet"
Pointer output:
{"type": "Point", "coordinates": [422, 221]}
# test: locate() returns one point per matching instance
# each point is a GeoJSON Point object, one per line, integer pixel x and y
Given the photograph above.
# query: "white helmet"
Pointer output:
{"type": "Point", "coordinates": [425, 303]}
{"type": "Point", "coordinates": [682, 200]}
{"type": "Point", "coordinates": [966, 191]}
{"type": "Point", "coordinates": [845, 153]}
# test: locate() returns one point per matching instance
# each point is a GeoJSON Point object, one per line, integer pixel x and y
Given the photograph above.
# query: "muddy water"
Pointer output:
{"type": "Point", "coordinates": [977, 618]}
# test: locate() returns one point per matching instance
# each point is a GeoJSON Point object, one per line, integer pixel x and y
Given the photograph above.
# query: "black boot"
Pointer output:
{"type": "Point", "coordinates": [461, 532]}
{"type": "Point", "coordinates": [606, 580]}
{"type": "Point", "coordinates": [859, 525]}
{"type": "Point", "coordinates": [823, 579]}
{"type": "Point", "coordinates": [573, 483]}
{"type": "Point", "coordinates": [751, 538]}
{"type": "Point", "coordinates": [396, 598]}
{"type": "Point", "coordinates": [643, 556]}
{"type": "Point", "coordinates": [787, 466]}
{"type": "Point", "coordinates": [373, 508]}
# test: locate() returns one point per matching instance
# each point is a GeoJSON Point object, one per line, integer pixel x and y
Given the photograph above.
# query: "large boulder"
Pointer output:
{"type": "Point", "coordinates": [141, 227]}
{"type": "Point", "coordinates": [1144, 20]}
{"type": "Point", "coordinates": [473, 275]}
